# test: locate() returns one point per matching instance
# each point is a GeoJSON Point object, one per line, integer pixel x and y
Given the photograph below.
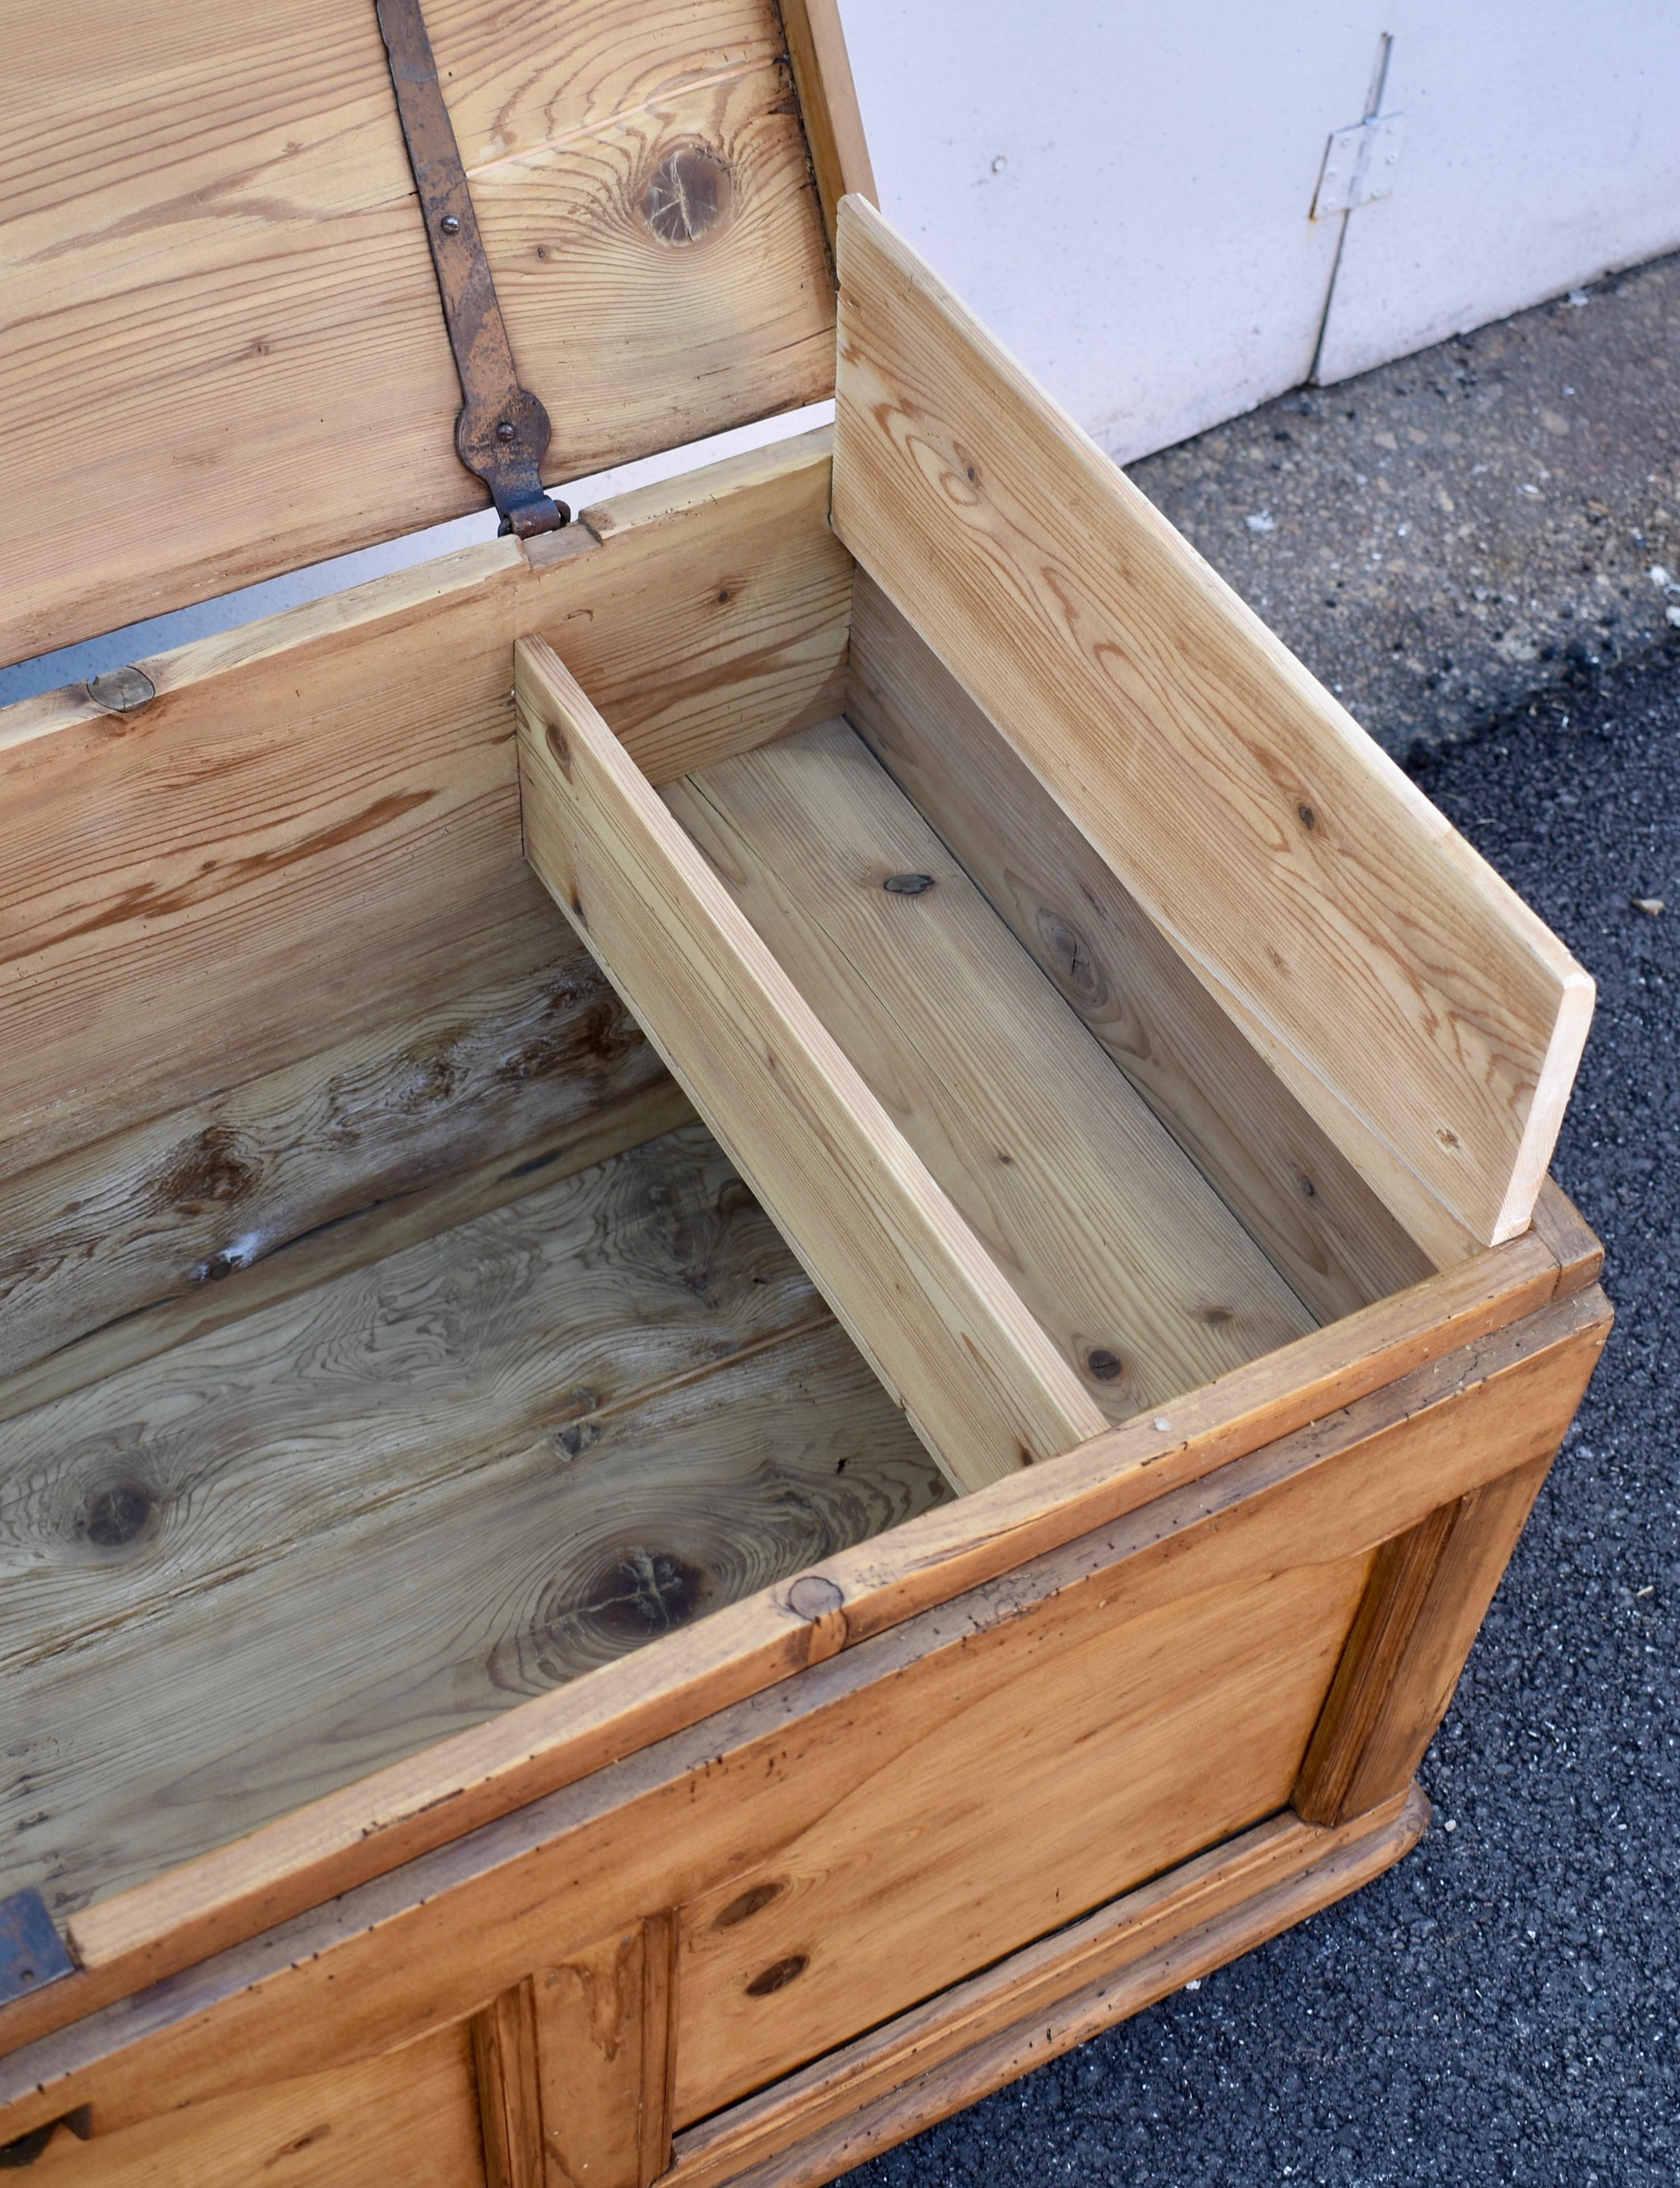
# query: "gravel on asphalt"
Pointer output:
{"type": "Point", "coordinates": [1442, 538]}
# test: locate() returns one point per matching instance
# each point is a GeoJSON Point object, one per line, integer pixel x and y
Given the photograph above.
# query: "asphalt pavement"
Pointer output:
{"type": "Point", "coordinates": [1504, 2006]}
{"type": "Point", "coordinates": [1443, 538]}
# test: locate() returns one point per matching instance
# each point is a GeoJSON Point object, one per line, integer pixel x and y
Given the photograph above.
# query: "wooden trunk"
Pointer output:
{"type": "Point", "coordinates": [550, 1642]}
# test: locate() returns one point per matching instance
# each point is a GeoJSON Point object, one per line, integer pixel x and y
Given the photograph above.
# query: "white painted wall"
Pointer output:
{"type": "Point", "coordinates": [1543, 147]}
{"type": "Point", "coordinates": [1121, 191]}
{"type": "Point", "coordinates": [1124, 190]}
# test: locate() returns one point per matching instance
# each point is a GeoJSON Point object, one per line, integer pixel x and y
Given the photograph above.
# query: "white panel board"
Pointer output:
{"type": "Point", "coordinates": [1541, 148]}
{"type": "Point", "coordinates": [1122, 193]}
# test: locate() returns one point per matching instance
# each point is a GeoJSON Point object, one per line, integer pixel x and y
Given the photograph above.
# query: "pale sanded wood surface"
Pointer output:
{"type": "Point", "coordinates": [215, 266]}
{"type": "Point", "coordinates": [1421, 1014]}
{"type": "Point", "coordinates": [409, 1808]}
{"type": "Point", "coordinates": [380, 1965]}
{"type": "Point", "coordinates": [313, 831]}
{"type": "Point", "coordinates": [586, 1420]}
{"type": "Point", "coordinates": [984, 1387]}
{"type": "Point", "coordinates": [119, 1249]}
{"type": "Point", "coordinates": [1040, 2002]}
{"type": "Point", "coordinates": [1316, 1218]}
{"type": "Point", "coordinates": [1119, 1248]}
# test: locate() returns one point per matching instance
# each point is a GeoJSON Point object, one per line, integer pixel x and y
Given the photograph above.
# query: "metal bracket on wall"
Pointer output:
{"type": "Point", "coordinates": [502, 432]}
{"type": "Point", "coordinates": [1359, 164]}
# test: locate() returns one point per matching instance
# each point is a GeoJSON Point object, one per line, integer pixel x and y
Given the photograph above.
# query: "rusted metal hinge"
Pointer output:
{"type": "Point", "coordinates": [502, 432]}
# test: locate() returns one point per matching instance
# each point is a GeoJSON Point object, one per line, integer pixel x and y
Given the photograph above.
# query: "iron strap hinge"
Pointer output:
{"type": "Point", "coordinates": [502, 432]}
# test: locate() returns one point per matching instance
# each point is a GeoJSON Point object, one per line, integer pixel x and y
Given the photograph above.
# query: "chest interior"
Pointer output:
{"type": "Point", "coordinates": [385, 1339]}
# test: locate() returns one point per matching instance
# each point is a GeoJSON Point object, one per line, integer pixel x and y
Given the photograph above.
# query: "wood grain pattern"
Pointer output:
{"type": "Point", "coordinates": [588, 1419]}
{"type": "Point", "coordinates": [605, 2022]}
{"type": "Point", "coordinates": [382, 1964]}
{"type": "Point", "coordinates": [980, 1381]}
{"type": "Point", "coordinates": [725, 613]}
{"type": "Point", "coordinates": [1297, 1193]}
{"type": "Point", "coordinates": [212, 248]}
{"type": "Point", "coordinates": [409, 2116]}
{"type": "Point", "coordinates": [1111, 1236]}
{"type": "Point", "coordinates": [407, 1810]}
{"type": "Point", "coordinates": [828, 101]}
{"type": "Point", "coordinates": [1369, 1741]}
{"type": "Point", "coordinates": [313, 831]}
{"type": "Point", "coordinates": [118, 1250]}
{"type": "Point", "coordinates": [1400, 1576]}
{"type": "Point", "coordinates": [1421, 1014]}
{"type": "Point", "coordinates": [1006, 1805]}
{"type": "Point", "coordinates": [1041, 2001]}
{"type": "Point", "coordinates": [505, 2065]}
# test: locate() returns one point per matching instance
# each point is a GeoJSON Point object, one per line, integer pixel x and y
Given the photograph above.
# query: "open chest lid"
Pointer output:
{"type": "Point", "coordinates": [226, 354]}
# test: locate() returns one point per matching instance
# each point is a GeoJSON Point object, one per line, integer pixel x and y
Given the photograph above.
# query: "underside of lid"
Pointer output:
{"type": "Point", "coordinates": [226, 354]}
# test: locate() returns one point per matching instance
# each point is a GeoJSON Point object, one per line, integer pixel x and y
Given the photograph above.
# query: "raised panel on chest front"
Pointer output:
{"type": "Point", "coordinates": [1029, 1776]}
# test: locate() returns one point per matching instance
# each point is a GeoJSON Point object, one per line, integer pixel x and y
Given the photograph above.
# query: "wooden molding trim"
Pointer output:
{"type": "Point", "coordinates": [509, 2091]}
{"type": "Point", "coordinates": [1562, 1227]}
{"type": "Point", "coordinates": [1429, 1592]}
{"type": "Point", "coordinates": [1041, 2002]}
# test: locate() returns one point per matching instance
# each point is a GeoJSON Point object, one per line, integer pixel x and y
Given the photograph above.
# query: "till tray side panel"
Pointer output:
{"type": "Point", "coordinates": [1427, 1020]}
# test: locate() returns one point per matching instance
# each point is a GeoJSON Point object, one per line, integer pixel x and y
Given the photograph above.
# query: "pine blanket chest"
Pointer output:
{"type": "Point", "coordinates": [669, 1585]}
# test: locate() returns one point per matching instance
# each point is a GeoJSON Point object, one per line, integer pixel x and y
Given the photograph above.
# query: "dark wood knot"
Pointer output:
{"type": "Point", "coordinates": [687, 194]}
{"type": "Point", "coordinates": [779, 1975]}
{"type": "Point", "coordinates": [115, 1515]}
{"type": "Point", "coordinates": [908, 884]}
{"type": "Point", "coordinates": [746, 1905]}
